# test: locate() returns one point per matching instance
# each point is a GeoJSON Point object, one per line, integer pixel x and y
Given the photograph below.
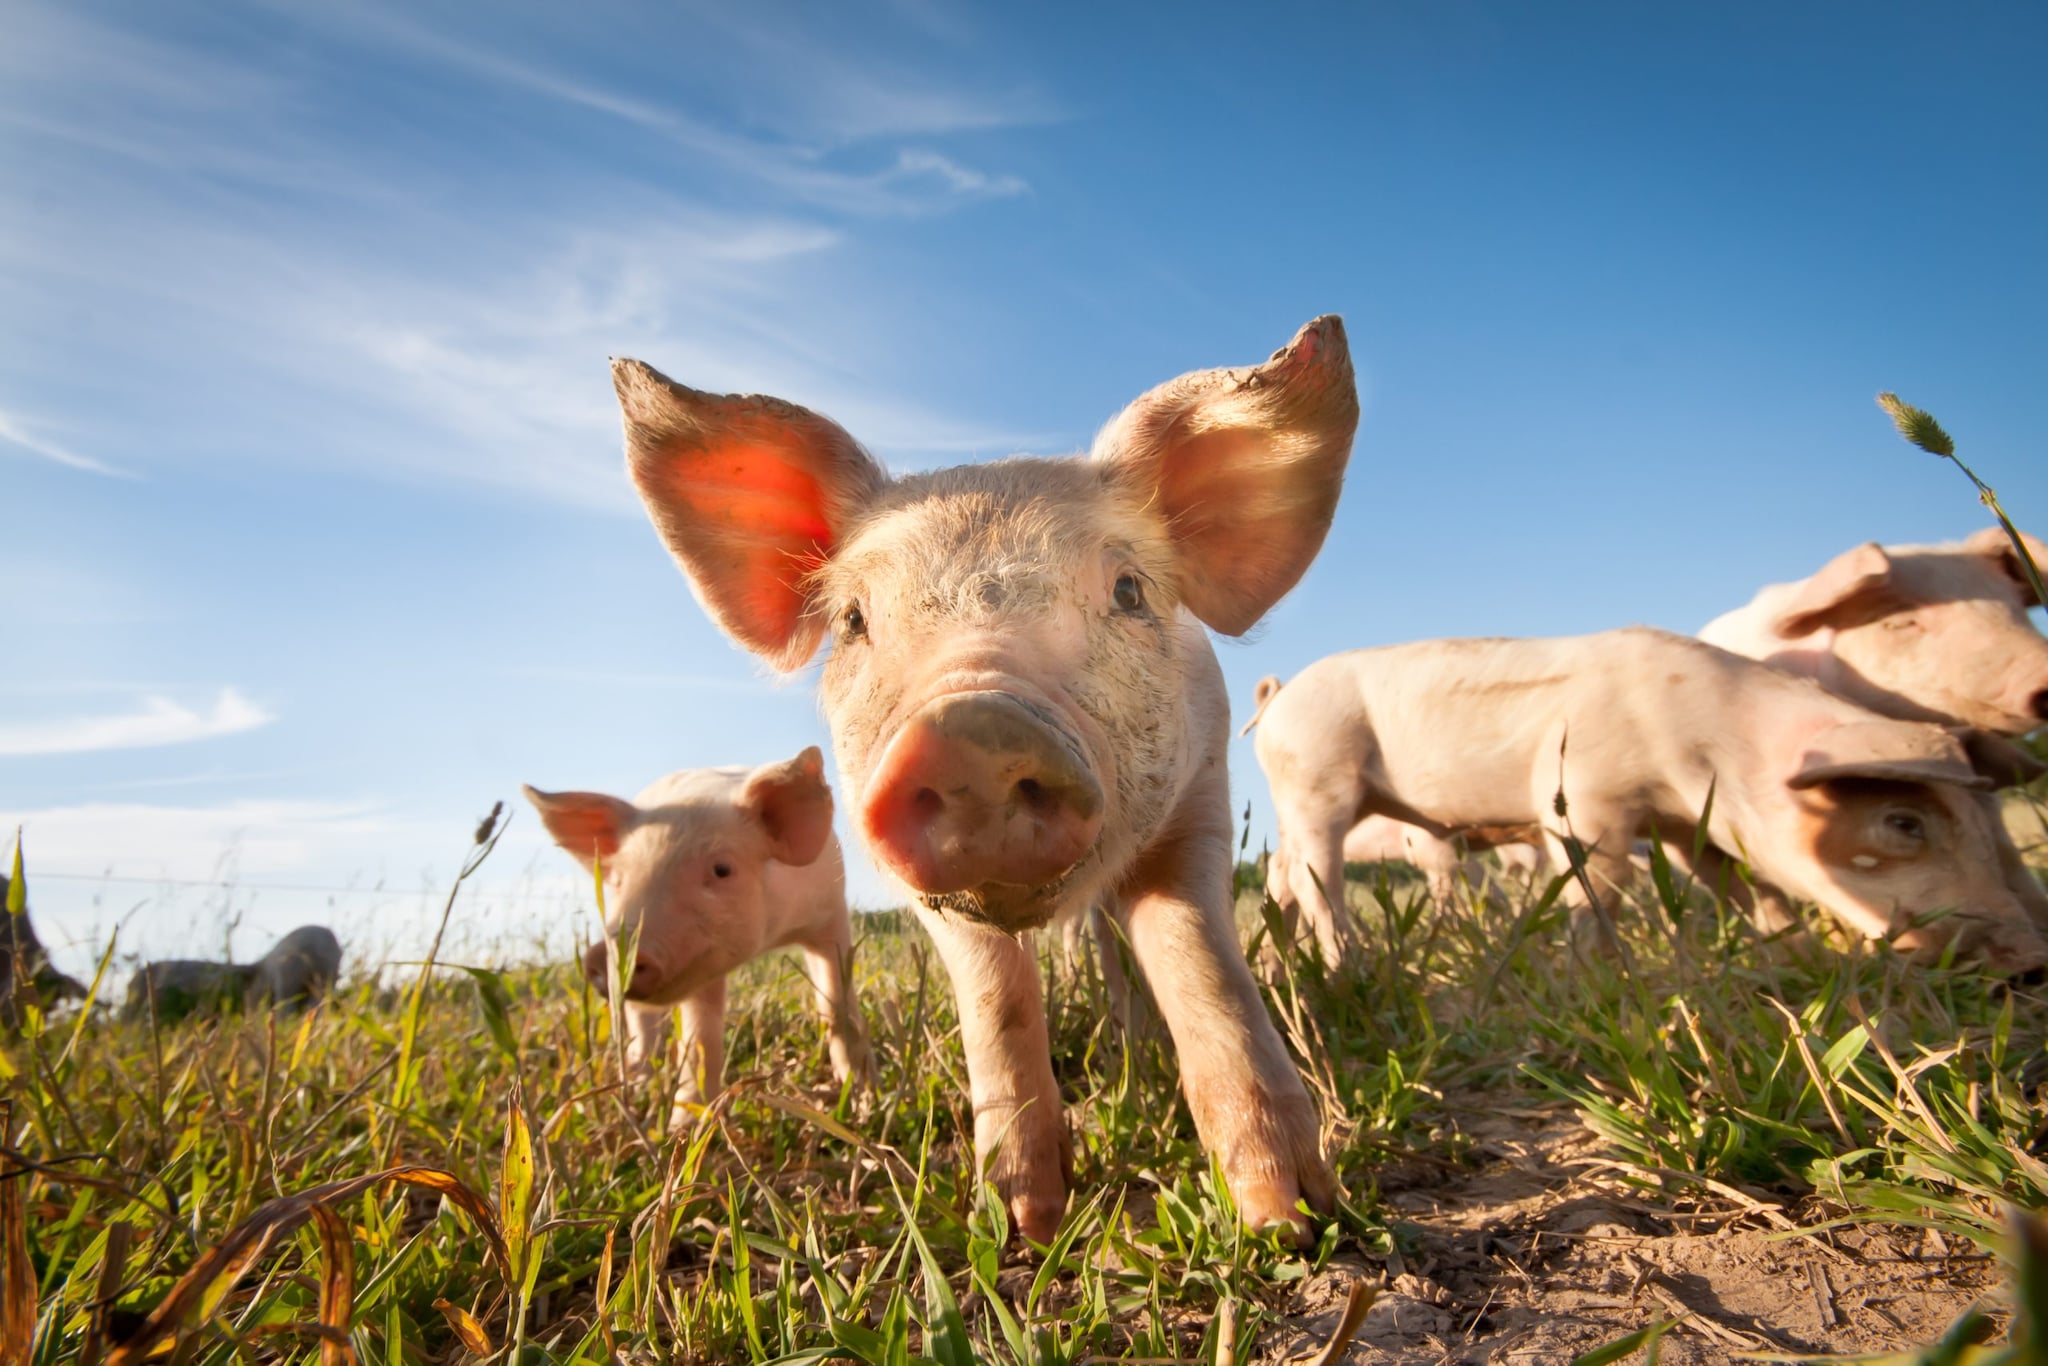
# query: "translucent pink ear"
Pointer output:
{"type": "Point", "coordinates": [587, 824]}
{"type": "Point", "coordinates": [750, 494]}
{"type": "Point", "coordinates": [1896, 751]}
{"type": "Point", "coordinates": [1849, 588]}
{"type": "Point", "coordinates": [1993, 542]}
{"type": "Point", "coordinates": [1246, 465]}
{"type": "Point", "coordinates": [793, 804]}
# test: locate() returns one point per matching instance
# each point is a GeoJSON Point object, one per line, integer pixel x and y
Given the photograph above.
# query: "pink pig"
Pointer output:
{"type": "Point", "coordinates": [1027, 713]}
{"type": "Point", "coordinates": [712, 867]}
{"type": "Point", "coordinates": [1922, 633]}
{"type": "Point", "coordinates": [1917, 632]}
{"type": "Point", "coordinates": [1646, 734]}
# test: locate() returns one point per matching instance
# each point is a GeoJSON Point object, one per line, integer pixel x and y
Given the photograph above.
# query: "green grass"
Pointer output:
{"type": "Point", "coordinates": [789, 1224]}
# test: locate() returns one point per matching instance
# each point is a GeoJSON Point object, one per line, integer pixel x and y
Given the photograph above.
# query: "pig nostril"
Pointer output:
{"type": "Point", "coordinates": [1033, 793]}
{"type": "Point", "coordinates": [2040, 704]}
{"type": "Point", "coordinates": [927, 804]}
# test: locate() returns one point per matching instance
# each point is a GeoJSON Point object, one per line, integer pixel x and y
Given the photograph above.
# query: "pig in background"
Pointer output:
{"type": "Point", "coordinates": [1027, 712]}
{"type": "Point", "coordinates": [1876, 820]}
{"type": "Point", "coordinates": [710, 868]}
{"type": "Point", "coordinates": [26, 974]}
{"type": "Point", "coordinates": [297, 971]}
{"type": "Point", "coordinates": [1916, 632]}
{"type": "Point", "coordinates": [1935, 633]}
{"type": "Point", "coordinates": [1920, 633]}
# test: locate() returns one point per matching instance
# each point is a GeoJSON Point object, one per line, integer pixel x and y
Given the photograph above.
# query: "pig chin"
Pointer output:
{"type": "Point", "coordinates": [1008, 906]}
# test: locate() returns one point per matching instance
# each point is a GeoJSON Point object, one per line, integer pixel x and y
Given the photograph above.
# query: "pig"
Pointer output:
{"type": "Point", "coordinates": [1920, 633]}
{"type": "Point", "coordinates": [299, 968]}
{"type": "Point", "coordinates": [1092, 935]}
{"type": "Point", "coordinates": [1025, 707]}
{"type": "Point", "coordinates": [1915, 632]}
{"type": "Point", "coordinates": [1877, 820]}
{"type": "Point", "coordinates": [296, 972]}
{"type": "Point", "coordinates": [26, 973]}
{"type": "Point", "coordinates": [173, 988]}
{"type": "Point", "coordinates": [711, 867]}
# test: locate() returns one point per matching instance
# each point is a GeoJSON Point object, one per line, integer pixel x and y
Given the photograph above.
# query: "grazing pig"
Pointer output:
{"type": "Point", "coordinates": [299, 968]}
{"type": "Point", "coordinates": [297, 971]}
{"type": "Point", "coordinates": [1920, 633]}
{"type": "Point", "coordinates": [1874, 819]}
{"type": "Point", "coordinates": [711, 867]}
{"type": "Point", "coordinates": [1027, 713]}
{"type": "Point", "coordinates": [173, 988]}
{"type": "Point", "coordinates": [26, 973]}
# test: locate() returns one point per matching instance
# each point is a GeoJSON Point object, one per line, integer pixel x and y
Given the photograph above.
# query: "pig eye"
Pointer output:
{"type": "Point", "coordinates": [721, 870]}
{"type": "Point", "coordinates": [1129, 593]}
{"type": "Point", "coordinates": [854, 622]}
{"type": "Point", "coordinates": [1905, 824]}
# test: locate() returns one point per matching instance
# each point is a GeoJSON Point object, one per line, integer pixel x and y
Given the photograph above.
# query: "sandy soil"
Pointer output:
{"type": "Point", "coordinates": [1532, 1255]}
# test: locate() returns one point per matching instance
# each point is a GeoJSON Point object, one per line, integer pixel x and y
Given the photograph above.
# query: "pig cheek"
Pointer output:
{"type": "Point", "coordinates": [857, 697]}
{"type": "Point", "coordinates": [1130, 686]}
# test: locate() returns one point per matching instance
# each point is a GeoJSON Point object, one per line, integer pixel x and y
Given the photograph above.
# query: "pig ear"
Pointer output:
{"type": "Point", "coordinates": [1995, 544]}
{"type": "Point", "coordinates": [1246, 466]}
{"type": "Point", "coordinates": [2006, 764]}
{"type": "Point", "coordinates": [1849, 587]}
{"type": "Point", "coordinates": [793, 804]}
{"type": "Point", "coordinates": [751, 495]}
{"type": "Point", "coordinates": [1897, 751]}
{"type": "Point", "coordinates": [586, 824]}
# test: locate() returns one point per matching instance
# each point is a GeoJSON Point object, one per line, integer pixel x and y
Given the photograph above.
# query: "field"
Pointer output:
{"type": "Point", "coordinates": [1749, 1147]}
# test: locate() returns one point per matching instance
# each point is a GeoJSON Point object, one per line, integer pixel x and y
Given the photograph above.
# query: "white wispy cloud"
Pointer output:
{"type": "Point", "coordinates": [156, 721]}
{"type": "Point", "coordinates": [268, 838]}
{"type": "Point", "coordinates": [304, 295]}
{"type": "Point", "coordinates": [14, 433]}
{"type": "Point", "coordinates": [844, 105]}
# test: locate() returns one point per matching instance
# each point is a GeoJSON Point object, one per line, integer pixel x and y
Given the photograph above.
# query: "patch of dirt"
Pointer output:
{"type": "Point", "coordinates": [1529, 1256]}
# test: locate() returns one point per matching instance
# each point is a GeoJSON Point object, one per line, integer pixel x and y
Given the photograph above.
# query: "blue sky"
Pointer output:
{"type": "Point", "coordinates": [317, 537]}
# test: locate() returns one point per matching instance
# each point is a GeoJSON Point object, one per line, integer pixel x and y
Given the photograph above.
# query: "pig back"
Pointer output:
{"type": "Point", "coordinates": [183, 986]}
{"type": "Point", "coordinates": [299, 967]}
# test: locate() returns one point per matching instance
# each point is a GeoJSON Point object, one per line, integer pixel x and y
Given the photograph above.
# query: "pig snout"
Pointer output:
{"type": "Point", "coordinates": [2003, 941]}
{"type": "Point", "coordinates": [980, 790]}
{"type": "Point", "coordinates": [644, 971]}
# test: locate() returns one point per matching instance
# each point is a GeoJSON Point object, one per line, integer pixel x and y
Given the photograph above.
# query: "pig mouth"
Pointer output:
{"type": "Point", "coordinates": [1006, 906]}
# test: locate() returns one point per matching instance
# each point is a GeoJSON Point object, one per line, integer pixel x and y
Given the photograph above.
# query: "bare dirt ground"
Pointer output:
{"type": "Point", "coordinates": [1532, 1256]}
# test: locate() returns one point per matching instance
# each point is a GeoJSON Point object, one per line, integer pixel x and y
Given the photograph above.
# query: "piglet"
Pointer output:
{"type": "Point", "coordinates": [711, 867]}
{"type": "Point", "coordinates": [1026, 709]}
{"type": "Point", "coordinates": [1917, 632]}
{"type": "Point", "coordinates": [1876, 820]}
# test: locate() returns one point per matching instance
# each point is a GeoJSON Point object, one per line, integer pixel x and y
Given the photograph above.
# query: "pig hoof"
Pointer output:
{"type": "Point", "coordinates": [1028, 1158]}
{"type": "Point", "coordinates": [1270, 1204]}
{"type": "Point", "coordinates": [1037, 1215]}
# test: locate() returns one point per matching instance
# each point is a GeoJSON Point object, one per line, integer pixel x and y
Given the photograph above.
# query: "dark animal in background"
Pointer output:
{"type": "Point", "coordinates": [297, 971]}
{"type": "Point", "coordinates": [25, 970]}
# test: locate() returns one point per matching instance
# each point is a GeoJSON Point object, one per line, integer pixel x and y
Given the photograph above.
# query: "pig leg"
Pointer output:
{"type": "Point", "coordinates": [830, 966]}
{"type": "Point", "coordinates": [1280, 891]}
{"type": "Point", "coordinates": [1020, 1131]}
{"type": "Point", "coordinates": [1109, 954]}
{"type": "Point", "coordinates": [1715, 872]}
{"type": "Point", "coordinates": [700, 1049]}
{"type": "Point", "coordinates": [1249, 1104]}
{"type": "Point", "coordinates": [1605, 846]}
{"type": "Point", "coordinates": [1312, 870]}
{"type": "Point", "coordinates": [646, 1030]}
